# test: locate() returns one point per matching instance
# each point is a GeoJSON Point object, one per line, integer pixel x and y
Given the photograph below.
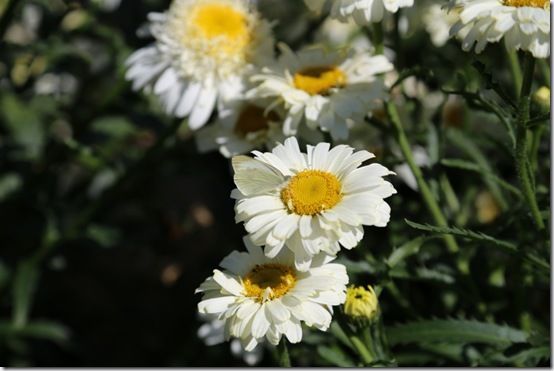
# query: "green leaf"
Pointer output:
{"type": "Point", "coordinates": [335, 356]}
{"type": "Point", "coordinates": [455, 331]}
{"type": "Point", "coordinates": [530, 357]}
{"type": "Point", "coordinates": [38, 330]}
{"type": "Point", "coordinates": [409, 248]}
{"type": "Point", "coordinates": [474, 152]}
{"type": "Point", "coordinates": [25, 126]}
{"type": "Point", "coordinates": [479, 236]}
{"type": "Point", "coordinates": [23, 289]}
{"type": "Point", "coordinates": [9, 183]}
{"type": "Point", "coordinates": [470, 166]}
{"type": "Point", "coordinates": [465, 233]}
{"type": "Point", "coordinates": [113, 126]}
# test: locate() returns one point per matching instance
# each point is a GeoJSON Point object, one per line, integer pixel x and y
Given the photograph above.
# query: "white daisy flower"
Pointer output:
{"type": "Point", "coordinates": [328, 89]}
{"type": "Point", "coordinates": [241, 129]}
{"type": "Point", "coordinates": [362, 11]}
{"type": "Point", "coordinates": [310, 203]}
{"type": "Point", "coordinates": [524, 24]}
{"type": "Point", "coordinates": [261, 298]}
{"type": "Point", "coordinates": [203, 52]}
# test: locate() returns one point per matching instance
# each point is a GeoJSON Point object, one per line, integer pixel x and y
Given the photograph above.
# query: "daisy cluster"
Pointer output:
{"type": "Point", "coordinates": [213, 62]}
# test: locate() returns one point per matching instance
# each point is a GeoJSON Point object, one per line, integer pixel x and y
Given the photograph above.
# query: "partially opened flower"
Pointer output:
{"type": "Point", "coordinates": [263, 299]}
{"type": "Point", "coordinates": [309, 203]}
{"type": "Point", "coordinates": [203, 52]}
{"type": "Point", "coordinates": [362, 11]}
{"type": "Point", "coordinates": [523, 24]}
{"type": "Point", "coordinates": [328, 89]}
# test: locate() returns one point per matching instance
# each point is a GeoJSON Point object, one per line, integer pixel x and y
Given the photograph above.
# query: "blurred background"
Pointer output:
{"type": "Point", "coordinates": [102, 246]}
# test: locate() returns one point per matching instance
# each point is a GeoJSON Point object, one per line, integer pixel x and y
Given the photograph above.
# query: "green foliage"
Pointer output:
{"type": "Point", "coordinates": [455, 331]}
{"type": "Point", "coordinates": [110, 216]}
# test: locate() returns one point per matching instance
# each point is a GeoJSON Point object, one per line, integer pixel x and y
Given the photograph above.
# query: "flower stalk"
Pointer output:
{"type": "Point", "coordinates": [424, 188]}
{"type": "Point", "coordinates": [283, 354]}
{"type": "Point", "coordinates": [523, 168]}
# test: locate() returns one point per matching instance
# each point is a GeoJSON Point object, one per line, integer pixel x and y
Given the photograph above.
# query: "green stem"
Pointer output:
{"type": "Point", "coordinates": [283, 351]}
{"type": "Point", "coordinates": [521, 155]}
{"type": "Point", "coordinates": [424, 189]}
{"type": "Point", "coordinates": [378, 38]}
{"type": "Point", "coordinates": [544, 67]}
{"type": "Point", "coordinates": [516, 70]}
{"type": "Point", "coordinates": [361, 349]}
{"type": "Point", "coordinates": [537, 134]}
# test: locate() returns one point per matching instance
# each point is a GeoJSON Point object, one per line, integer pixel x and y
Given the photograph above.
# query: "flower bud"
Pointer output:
{"type": "Point", "coordinates": [361, 303]}
{"type": "Point", "coordinates": [542, 97]}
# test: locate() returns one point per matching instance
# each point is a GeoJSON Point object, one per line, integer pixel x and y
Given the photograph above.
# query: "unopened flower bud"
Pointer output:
{"type": "Point", "coordinates": [542, 97]}
{"type": "Point", "coordinates": [361, 303]}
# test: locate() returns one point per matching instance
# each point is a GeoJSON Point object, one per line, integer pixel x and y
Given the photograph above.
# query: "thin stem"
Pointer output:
{"type": "Point", "coordinates": [424, 189]}
{"type": "Point", "coordinates": [515, 68]}
{"type": "Point", "coordinates": [537, 134]}
{"type": "Point", "coordinates": [361, 349]}
{"type": "Point", "coordinates": [283, 351]}
{"type": "Point", "coordinates": [544, 67]}
{"type": "Point", "coordinates": [521, 155]}
{"type": "Point", "coordinates": [378, 38]}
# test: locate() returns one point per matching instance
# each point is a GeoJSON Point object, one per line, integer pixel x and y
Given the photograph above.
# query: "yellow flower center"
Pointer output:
{"type": "Point", "coordinates": [531, 3]}
{"type": "Point", "coordinates": [269, 281]}
{"type": "Point", "coordinates": [224, 26]}
{"type": "Point", "coordinates": [311, 191]}
{"type": "Point", "coordinates": [252, 119]}
{"type": "Point", "coordinates": [361, 302]}
{"type": "Point", "coordinates": [319, 80]}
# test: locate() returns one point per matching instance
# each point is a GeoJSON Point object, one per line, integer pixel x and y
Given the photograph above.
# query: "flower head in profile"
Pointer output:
{"type": "Point", "coordinates": [327, 89]}
{"type": "Point", "coordinates": [361, 11]}
{"type": "Point", "coordinates": [361, 303]}
{"type": "Point", "coordinates": [203, 53]}
{"type": "Point", "coordinates": [309, 202]}
{"type": "Point", "coordinates": [263, 299]}
{"type": "Point", "coordinates": [523, 24]}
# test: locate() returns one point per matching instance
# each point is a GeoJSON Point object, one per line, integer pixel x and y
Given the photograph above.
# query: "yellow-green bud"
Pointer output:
{"type": "Point", "coordinates": [361, 303]}
{"type": "Point", "coordinates": [542, 97]}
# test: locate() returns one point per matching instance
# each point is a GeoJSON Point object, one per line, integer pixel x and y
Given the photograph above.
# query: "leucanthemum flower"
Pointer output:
{"type": "Point", "coordinates": [203, 52]}
{"type": "Point", "coordinates": [309, 203]}
{"type": "Point", "coordinates": [362, 11]}
{"type": "Point", "coordinates": [523, 24]}
{"type": "Point", "coordinates": [244, 127]}
{"type": "Point", "coordinates": [328, 89]}
{"type": "Point", "coordinates": [263, 299]}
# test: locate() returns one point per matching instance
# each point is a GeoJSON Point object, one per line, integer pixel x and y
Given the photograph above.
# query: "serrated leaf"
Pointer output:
{"type": "Point", "coordinates": [479, 236]}
{"type": "Point", "coordinates": [455, 331]}
{"type": "Point", "coordinates": [465, 233]}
